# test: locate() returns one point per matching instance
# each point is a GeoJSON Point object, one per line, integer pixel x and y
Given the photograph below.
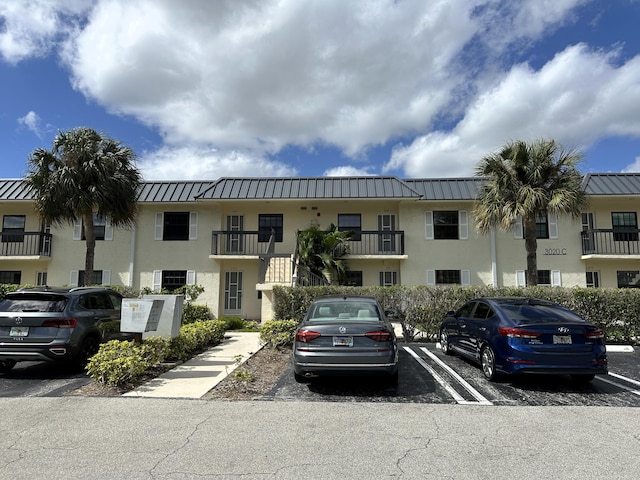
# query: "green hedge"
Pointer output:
{"type": "Point", "coordinates": [423, 308]}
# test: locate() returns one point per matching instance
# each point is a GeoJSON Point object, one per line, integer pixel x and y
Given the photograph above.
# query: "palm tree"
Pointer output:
{"type": "Point", "coordinates": [320, 252]}
{"type": "Point", "coordinates": [85, 173]}
{"type": "Point", "coordinates": [526, 179]}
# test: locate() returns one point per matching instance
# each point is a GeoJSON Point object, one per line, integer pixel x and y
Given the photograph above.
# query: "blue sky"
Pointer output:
{"type": "Point", "coordinates": [202, 90]}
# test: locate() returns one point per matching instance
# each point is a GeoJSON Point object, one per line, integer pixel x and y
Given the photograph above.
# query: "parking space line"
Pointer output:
{"type": "Point", "coordinates": [626, 379]}
{"type": "Point", "coordinates": [443, 383]}
{"type": "Point", "coordinates": [482, 400]}
{"type": "Point", "coordinates": [619, 385]}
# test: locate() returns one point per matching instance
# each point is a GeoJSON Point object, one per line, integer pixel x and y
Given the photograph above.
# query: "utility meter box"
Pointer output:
{"type": "Point", "coordinates": [139, 316]}
{"type": "Point", "coordinates": [170, 318]}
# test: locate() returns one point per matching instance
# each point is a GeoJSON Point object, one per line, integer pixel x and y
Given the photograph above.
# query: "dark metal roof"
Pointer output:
{"type": "Point", "coordinates": [167, 192]}
{"type": "Point", "coordinates": [446, 188]}
{"type": "Point", "coordinates": [612, 184]}
{"type": "Point", "coordinates": [309, 188]}
{"type": "Point", "coordinates": [14, 190]}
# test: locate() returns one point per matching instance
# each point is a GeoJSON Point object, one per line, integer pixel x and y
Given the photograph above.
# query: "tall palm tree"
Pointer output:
{"type": "Point", "coordinates": [84, 173]}
{"type": "Point", "coordinates": [523, 180]}
{"type": "Point", "coordinates": [320, 252]}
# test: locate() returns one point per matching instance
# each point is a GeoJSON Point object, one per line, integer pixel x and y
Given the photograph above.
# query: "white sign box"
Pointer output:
{"type": "Point", "coordinates": [170, 317]}
{"type": "Point", "coordinates": [139, 316]}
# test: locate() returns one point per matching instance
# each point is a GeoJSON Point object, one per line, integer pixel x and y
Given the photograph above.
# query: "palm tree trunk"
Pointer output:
{"type": "Point", "coordinates": [90, 236]}
{"type": "Point", "coordinates": [531, 246]}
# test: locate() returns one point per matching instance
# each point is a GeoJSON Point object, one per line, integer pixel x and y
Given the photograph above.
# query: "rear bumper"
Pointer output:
{"type": "Point", "coordinates": [36, 352]}
{"type": "Point", "coordinates": [313, 366]}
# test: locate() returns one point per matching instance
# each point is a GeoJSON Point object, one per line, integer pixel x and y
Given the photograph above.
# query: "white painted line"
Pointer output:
{"type": "Point", "coordinates": [444, 384]}
{"type": "Point", "coordinates": [476, 394]}
{"type": "Point", "coordinates": [620, 348]}
{"type": "Point", "coordinates": [626, 379]}
{"type": "Point", "coordinates": [619, 385]}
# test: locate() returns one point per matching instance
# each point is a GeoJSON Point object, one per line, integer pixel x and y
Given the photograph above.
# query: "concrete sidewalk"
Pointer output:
{"type": "Point", "coordinates": [195, 377]}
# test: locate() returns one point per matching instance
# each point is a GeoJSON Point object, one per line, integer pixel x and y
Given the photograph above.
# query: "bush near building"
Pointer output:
{"type": "Point", "coordinates": [616, 311]}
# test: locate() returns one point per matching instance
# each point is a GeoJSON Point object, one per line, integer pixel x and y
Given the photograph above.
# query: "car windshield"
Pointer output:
{"type": "Point", "coordinates": [344, 311]}
{"type": "Point", "coordinates": [33, 303]}
{"type": "Point", "coordinates": [534, 313]}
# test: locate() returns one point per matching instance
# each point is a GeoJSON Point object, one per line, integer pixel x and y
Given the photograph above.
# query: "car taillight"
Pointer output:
{"type": "Point", "coordinates": [379, 336]}
{"type": "Point", "coordinates": [305, 336]}
{"type": "Point", "coordinates": [61, 323]}
{"type": "Point", "coordinates": [594, 334]}
{"type": "Point", "coordinates": [517, 333]}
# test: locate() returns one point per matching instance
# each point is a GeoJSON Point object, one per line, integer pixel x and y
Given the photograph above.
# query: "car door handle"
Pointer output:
{"type": "Point", "coordinates": [483, 329]}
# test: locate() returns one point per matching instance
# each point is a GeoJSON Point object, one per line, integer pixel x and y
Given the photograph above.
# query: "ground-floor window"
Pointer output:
{"type": "Point", "coordinates": [173, 279]}
{"type": "Point", "coordinates": [593, 279]}
{"type": "Point", "coordinates": [353, 278]}
{"type": "Point", "coordinates": [448, 277]}
{"type": "Point", "coordinates": [388, 279]}
{"type": "Point", "coordinates": [12, 277]}
{"type": "Point", "coordinates": [628, 278]}
{"type": "Point", "coordinates": [97, 278]}
{"type": "Point", "coordinates": [233, 291]}
{"type": "Point", "coordinates": [546, 278]}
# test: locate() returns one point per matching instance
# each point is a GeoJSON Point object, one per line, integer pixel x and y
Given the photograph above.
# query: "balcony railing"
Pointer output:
{"type": "Point", "coordinates": [240, 243]}
{"type": "Point", "coordinates": [611, 242]}
{"type": "Point", "coordinates": [25, 244]}
{"type": "Point", "coordinates": [377, 243]}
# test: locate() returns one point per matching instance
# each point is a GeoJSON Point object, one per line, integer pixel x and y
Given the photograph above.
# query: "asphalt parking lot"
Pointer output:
{"type": "Point", "coordinates": [428, 376]}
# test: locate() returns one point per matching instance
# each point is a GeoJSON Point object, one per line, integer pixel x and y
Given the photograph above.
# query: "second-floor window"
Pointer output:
{"type": "Point", "coordinates": [447, 225]}
{"type": "Point", "coordinates": [13, 228]}
{"type": "Point", "coordinates": [351, 222]}
{"type": "Point", "coordinates": [625, 226]}
{"type": "Point", "coordinates": [176, 226]}
{"type": "Point", "coordinates": [270, 223]}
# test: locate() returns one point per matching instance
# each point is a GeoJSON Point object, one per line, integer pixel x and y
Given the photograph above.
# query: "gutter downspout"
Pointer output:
{"type": "Point", "coordinates": [132, 255]}
{"type": "Point", "coordinates": [494, 262]}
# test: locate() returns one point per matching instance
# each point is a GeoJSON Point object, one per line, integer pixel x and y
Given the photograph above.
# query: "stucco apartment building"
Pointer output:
{"type": "Point", "coordinates": [236, 237]}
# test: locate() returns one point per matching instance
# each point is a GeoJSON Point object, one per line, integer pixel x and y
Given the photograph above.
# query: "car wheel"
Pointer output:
{"type": "Point", "coordinates": [88, 349]}
{"type": "Point", "coordinates": [6, 365]}
{"type": "Point", "coordinates": [488, 362]}
{"type": "Point", "coordinates": [583, 378]}
{"type": "Point", "coordinates": [444, 343]}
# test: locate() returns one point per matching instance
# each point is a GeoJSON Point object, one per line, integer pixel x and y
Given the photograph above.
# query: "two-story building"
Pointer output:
{"type": "Point", "coordinates": [237, 237]}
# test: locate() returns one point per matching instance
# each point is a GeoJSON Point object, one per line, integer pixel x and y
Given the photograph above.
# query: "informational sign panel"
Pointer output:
{"type": "Point", "coordinates": [139, 316]}
{"type": "Point", "coordinates": [170, 317]}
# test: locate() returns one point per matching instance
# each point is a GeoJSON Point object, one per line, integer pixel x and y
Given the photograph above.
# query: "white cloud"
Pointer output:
{"type": "Point", "coordinates": [348, 171]}
{"type": "Point", "coordinates": [32, 122]}
{"type": "Point", "coordinates": [634, 167]}
{"type": "Point", "coordinates": [189, 163]}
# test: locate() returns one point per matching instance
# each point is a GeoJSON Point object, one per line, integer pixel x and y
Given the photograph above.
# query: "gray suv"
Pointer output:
{"type": "Point", "coordinates": [57, 324]}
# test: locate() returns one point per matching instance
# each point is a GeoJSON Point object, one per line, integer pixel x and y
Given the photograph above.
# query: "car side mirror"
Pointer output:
{"type": "Point", "coordinates": [390, 313]}
{"type": "Point", "coordinates": [451, 313]}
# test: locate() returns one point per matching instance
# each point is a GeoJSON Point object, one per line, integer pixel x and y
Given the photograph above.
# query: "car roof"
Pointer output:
{"type": "Point", "coordinates": [515, 300]}
{"type": "Point", "coordinates": [333, 298]}
{"type": "Point", "coordinates": [60, 290]}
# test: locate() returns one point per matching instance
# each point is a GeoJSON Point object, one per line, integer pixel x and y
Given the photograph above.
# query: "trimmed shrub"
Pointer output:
{"type": "Point", "coordinates": [120, 362]}
{"type": "Point", "coordinates": [196, 313]}
{"type": "Point", "coordinates": [278, 333]}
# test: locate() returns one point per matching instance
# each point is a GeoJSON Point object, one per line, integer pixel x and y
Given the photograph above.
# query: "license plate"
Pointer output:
{"type": "Point", "coordinates": [562, 339]}
{"type": "Point", "coordinates": [342, 341]}
{"type": "Point", "coordinates": [19, 331]}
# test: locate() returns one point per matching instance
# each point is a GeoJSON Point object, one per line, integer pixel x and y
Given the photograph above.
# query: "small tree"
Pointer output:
{"type": "Point", "coordinates": [320, 252]}
{"type": "Point", "coordinates": [524, 180]}
{"type": "Point", "coordinates": [85, 173]}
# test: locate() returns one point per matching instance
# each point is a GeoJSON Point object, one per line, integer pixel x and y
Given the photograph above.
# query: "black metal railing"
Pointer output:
{"type": "Point", "coordinates": [369, 242]}
{"type": "Point", "coordinates": [241, 243]}
{"type": "Point", "coordinates": [25, 244]}
{"type": "Point", "coordinates": [611, 241]}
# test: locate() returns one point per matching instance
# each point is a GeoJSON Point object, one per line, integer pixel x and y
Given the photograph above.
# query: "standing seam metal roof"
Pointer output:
{"type": "Point", "coordinates": [14, 189]}
{"type": "Point", "coordinates": [179, 191]}
{"type": "Point", "coordinates": [612, 184]}
{"type": "Point", "coordinates": [447, 188]}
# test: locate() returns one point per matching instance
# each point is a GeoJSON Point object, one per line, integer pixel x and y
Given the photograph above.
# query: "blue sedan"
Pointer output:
{"type": "Point", "coordinates": [524, 335]}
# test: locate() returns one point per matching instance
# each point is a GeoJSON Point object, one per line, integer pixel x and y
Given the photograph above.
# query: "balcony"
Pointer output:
{"type": "Point", "coordinates": [377, 243]}
{"type": "Point", "coordinates": [25, 244]}
{"type": "Point", "coordinates": [244, 243]}
{"type": "Point", "coordinates": [609, 242]}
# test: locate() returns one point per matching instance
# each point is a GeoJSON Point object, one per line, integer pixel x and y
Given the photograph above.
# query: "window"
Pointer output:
{"type": "Point", "coordinates": [233, 291]}
{"type": "Point", "coordinates": [628, 279]}
{"type": "Point", "coordinates": [447, 225]}
{"type": "Point", "coordinates": [593, 279]}
{"type": "Point", "coordinates": [447, 277]}
{"type": "Point", "coordinates": [41, 278]}
{"type": "Point", "coordinates": [10, 277]}
{"type": "Point", "coordinates": [351, 222]}
{"type": "Point", "coordinates": [482, 311]}
{"type": "Point", "coordinates": [173, 279]}
{"type": "Point", "coordinates": [387, 279]}
{"type": "Point", "coordinates": [625, 226]}
{"type": "Point", "coordinates": [466, 310]}
{"type": "Point", "coordinates": [99, 225]}
{"type": "Point", "coordinates": [97, 278]}
{"type": "Point", "coordinates": [175, 226]}
{"type": "Point", "coordinates": [13, 228]}
{"type": "Point", "coordinates": [544, 277]}
{"type": "Point", "coordinates": [551, 278]}
{"type": "Point", "coordinates": [542, 225]}
{"type": "Point", "coordinates": [268, 223]}
{"type": "Point", "coordinates": [546, 226]}
{"type": "Point", "coordinates": [353, 278]}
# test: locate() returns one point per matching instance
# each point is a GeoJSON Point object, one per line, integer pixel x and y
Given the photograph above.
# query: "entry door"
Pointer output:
{"type": "Point", "coordinates": [386, 241]}
{"type": "Point", "coordinates": [233, 292]}
{"type": "Point", "coordinates": [588, 235]}
{"type": "Point", "coordinates": [235, 243]}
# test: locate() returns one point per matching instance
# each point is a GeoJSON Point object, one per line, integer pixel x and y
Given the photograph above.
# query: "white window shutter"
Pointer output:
{"type": "Point", "coordinates": [429, 225]}
{"type": "Point", "coordinates": [431, 277]}
{"type": "Point", "coordinates": [521, 278]}
{"type": "Point", "coordinates": [556, 278]}
{"type": "Point", "coordinates": [193, 226]}
{"type": "Point", "coordinates": [517, 228]}
{"type": "Point", "coordinates": [465, 277]}
{"type": "Point", "coordinates": [553, 225]}
{"type": "Point", "coordinates": [108, 229]}
{"type": "Point", "coordinates": [191, 277]}
{"type": "Point", "coordinates": [157, 280]}
{"type": "Point", "coordinates": [73, 281]}
{"type": "Point", "coordinates": [106, 277]}
{"type": "Point", "coordinates": [77, 229]}
{"type": "Point", "coordinates": [159, 225]}
{"type": "Point", "coordinates": [463, 225]}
